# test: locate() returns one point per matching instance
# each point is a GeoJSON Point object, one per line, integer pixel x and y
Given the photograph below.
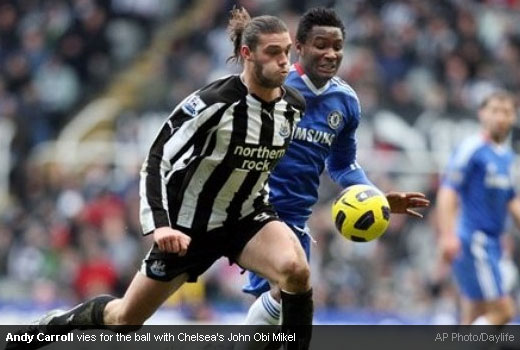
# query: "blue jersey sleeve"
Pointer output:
{"type": "Point", "coordinates": [459, 167]}
{"type": "Point", "coordinates": [341, 163]}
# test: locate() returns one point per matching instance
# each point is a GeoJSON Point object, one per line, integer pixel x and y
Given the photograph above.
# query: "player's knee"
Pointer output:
{"type": "Point", "coordinates": [300, 278]}
{"type": "Point", "coordinates": [295, 273]}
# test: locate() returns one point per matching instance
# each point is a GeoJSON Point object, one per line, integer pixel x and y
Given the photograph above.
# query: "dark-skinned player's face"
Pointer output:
{"type": "Point", "coordinates": [321, 53]}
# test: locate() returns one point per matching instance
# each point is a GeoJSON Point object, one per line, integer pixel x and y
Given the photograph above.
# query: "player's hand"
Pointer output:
{"type": "Point", "coordinates": [450, 247]}
{"type": "Point", "coordinates": [171, 241]}
{"type": "Point", "coordinates": [406, 202]}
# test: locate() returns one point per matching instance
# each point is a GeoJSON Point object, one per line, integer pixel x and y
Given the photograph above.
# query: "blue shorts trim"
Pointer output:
{"type": "Point", "coordinates": [258, 285]}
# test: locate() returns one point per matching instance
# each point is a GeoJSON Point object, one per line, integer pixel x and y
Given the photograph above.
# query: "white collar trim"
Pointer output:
{"type": "Point", "coordinates": [313, 88]}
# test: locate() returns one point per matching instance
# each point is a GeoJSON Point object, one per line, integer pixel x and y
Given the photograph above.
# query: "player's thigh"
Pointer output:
{"type": "Point", "coordinates": [142, 298]}
{"type": "Point", "coordinates": [163, 273]}
{"type": "Point", "coordinates": [257, 285]}
{"type": "Point", "coordinates": [271, 249]}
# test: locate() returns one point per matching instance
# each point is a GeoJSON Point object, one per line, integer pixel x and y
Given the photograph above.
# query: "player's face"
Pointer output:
{"type": "Point", "coordinates": [498, 117]}
{"type": "Point", "coordinates": [271, 59]}
{"type": "Point", "coordinates": [321, 54]}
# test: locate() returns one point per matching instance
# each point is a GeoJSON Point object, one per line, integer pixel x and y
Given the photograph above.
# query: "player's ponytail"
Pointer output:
{"type": "Point", "coordinates": [237, 23]}
{"type": "Point", "coordinates": [244, 30]}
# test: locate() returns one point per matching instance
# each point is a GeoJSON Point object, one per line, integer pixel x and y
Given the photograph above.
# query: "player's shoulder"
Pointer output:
{"type": "Point", "coordinates": [294, 97]}
{"type": "Point", "coordinates": [345, 96]}
{"type": "Point", "coordinates": [227, 89]}
{"type": "Point", "coordinates": [341, 87]}
{"type": "Point", "coordinates": [504, 151]}
{"type": "Point", "coordinates": [469, 148]}
{"type": "Point", "coordinates": [223, 91]}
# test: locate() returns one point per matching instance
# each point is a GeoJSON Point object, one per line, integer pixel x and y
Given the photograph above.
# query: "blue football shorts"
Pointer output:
{"type": "Point", "coordinates": [477, 267]}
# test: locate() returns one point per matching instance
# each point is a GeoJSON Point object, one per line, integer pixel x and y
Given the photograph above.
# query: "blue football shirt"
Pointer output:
{"type": "Point", "coordinates": [324, 137]}
{"type": "Point", "coordinates": [480, 172]}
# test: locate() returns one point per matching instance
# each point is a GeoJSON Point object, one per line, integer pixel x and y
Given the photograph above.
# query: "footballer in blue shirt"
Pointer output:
{"type": "Point", "coordinates": [325, 137]}
{"type": "Point", "coordinates": [473, 201]}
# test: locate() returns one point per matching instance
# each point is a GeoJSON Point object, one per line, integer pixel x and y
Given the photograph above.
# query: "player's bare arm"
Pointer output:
{"type": "Point", "coordinates": [447, 208]}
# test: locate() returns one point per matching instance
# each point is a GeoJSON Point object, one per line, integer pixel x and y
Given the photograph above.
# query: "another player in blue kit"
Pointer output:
{"type": "Point", "coordinates": [473, 202]}
{"type": "Point", "coordinates": [324, 138]}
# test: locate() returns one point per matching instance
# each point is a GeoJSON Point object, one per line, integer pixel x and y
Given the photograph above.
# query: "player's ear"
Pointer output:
{"type": "Point", "coordinates": [245, 52]}
{"type": "Point", "coordinates": [299, 47]}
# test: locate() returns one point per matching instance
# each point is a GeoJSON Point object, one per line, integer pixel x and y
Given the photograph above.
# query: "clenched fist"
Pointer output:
{"type": "Point", "coordinates": [171, 241]}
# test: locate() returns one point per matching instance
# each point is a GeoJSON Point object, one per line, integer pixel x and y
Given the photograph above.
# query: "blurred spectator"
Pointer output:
{"type": "Point", "coordinates": [57, 86]}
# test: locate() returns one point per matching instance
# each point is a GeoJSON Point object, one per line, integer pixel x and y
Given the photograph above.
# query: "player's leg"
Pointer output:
{"type": "Point", "coordinates": [142, 298]}
{"type": "Point", "coordinates": [275, 253]}
{"type": "Point", "coordinates": [478, 274]}
{"type": "Point", "coordinates": [161, 275]}
{"type": "Point", "coordinates": [490, 312]}
{"type": "Point", "coordinates": [470, 310]}
{"type": "Point", "coordinates": [495, 312]}
{"type": "Point", "coordinates": [266, 309]}
{"type": "Point", "coordinates": [140, 301]}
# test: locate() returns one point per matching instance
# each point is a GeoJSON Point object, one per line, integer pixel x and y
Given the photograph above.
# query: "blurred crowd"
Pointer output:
{"type": "Point", "coordinates": [69, 234]}
{"type": "Point", "coordinates": [55, 54]}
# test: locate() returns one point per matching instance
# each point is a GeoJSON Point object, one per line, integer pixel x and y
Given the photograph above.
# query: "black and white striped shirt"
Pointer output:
{"type": "Point", "coordinates": [210, 162]}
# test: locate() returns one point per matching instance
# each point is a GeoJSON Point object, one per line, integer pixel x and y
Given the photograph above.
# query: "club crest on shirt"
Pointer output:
{"type": "Point", "coordinates": [334, 119]}
{"type": "Point", "coordinates": [193, 105]}
{"type": "Point", "coordinates": [285, 129]}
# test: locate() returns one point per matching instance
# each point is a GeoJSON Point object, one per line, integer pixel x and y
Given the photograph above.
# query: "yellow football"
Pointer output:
{"type": "Point", "coordinates": [361, 213]}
